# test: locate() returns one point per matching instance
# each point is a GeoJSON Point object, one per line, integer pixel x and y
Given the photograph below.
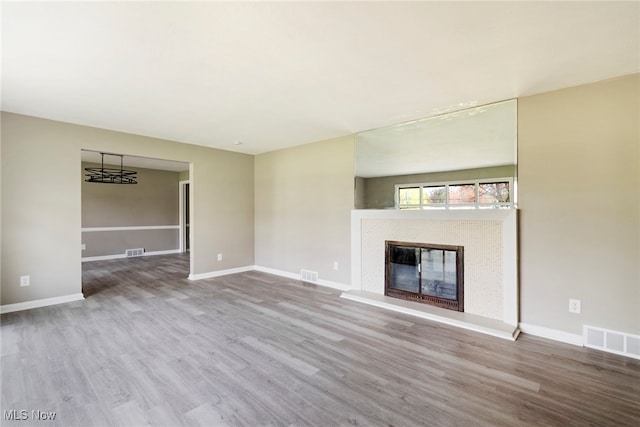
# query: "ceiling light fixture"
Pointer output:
{"type": "Point", "coordinates": [110, 175]}
{"type": "Point", "coordinates": [237, 143]}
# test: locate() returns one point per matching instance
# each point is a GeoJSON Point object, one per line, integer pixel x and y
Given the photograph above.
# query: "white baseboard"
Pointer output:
{"type": "Point", "coordinates": [294, 276]}
{"type": "Point", "coordinates": [281, 273]}
{"type": "Point", "coordinates": [119, 256]}
{"type": "Point", "coordinates": [335, 285]}
{"type": "Point", "coordinates": [552, 334]}
{"type": "Point", "coordinates": [102, 257]}
{"type": "Point", "coordinates": [9, 308]}
{"type": "Point", "coordinates": [219, 273]}
{"type": "Point", "coordinates": [165, 252]}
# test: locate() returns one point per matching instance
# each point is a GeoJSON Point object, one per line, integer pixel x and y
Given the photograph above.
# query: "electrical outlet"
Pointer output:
{"type": "Point", "coordinates": [25, 280]}
{"type": "Point", "coordinates": [335, 265]}
{"type": "Point", "coordinates": [83, 246]}
{"type": "Point", "coordinates": [219, 257]}
{"type": "Point", "coordinates": [574, 306]}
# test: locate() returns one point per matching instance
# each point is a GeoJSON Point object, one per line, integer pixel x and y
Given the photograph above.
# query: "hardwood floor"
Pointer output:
{"type": "Point", "coordinates": [148, 346]}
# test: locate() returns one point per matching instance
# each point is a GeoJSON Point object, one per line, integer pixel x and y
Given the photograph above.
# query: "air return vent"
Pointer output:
{"type": "Point", "coordinates": [309, 276]}
{"type": "Point", "coordinates": [134, 252]}
{"type": "Point", "coordinates": [612, 341]}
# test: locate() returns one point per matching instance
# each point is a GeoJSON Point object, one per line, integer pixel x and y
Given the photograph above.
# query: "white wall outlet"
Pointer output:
{"type": "Point", "coordinates": [574, 306]}
{"type": "Point", "coordinates": [335, 265]}
{"type": "Point", "coordinates": [25, 280]}
{"type": "Point", "coordinates": [83, 246]}
{"type": "Point", "coordinates": [219, 257]}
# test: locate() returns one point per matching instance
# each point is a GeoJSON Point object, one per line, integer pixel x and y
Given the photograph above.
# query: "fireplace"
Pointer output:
{"type": "Point", "coordinates": [489, 238]}
{"type": "Point", "coordinates": [427, 273]}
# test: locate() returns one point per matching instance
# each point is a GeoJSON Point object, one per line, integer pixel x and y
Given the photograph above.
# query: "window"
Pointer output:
{"type": "Point", "coordinates": [494, 192]}
{"type": "Point", "coordinates": [478, 194]}
{"type": "Point", "coordinates": [462, 194]}
{"type": "Point", "coordinates": [409, 197]}
{"type": "Point", "coordinates": [434, 195]}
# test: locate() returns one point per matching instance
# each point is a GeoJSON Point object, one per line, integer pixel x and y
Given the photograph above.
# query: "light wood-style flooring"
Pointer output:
{"type": "Point", "coordinates": [149, 347]}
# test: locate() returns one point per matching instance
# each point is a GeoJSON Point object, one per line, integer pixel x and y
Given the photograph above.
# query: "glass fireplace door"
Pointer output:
{"type": "Point", "coordinates": [405, 269]}
{"type": "Point", "coordinates": [427, 273]}
{"type": "Point", "coordinates": [438, 273]}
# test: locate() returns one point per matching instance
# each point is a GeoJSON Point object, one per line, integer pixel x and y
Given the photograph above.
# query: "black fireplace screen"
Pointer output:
{"type": "Point", "coordinates": [428, 273]}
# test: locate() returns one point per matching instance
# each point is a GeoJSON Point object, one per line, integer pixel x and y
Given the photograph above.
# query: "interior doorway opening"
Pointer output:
{"type": "Point", "coordinates": [150, 217]}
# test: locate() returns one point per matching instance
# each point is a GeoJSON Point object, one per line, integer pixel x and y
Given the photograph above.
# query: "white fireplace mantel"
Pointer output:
{"type": "Point", "coordinates": [491, 264]}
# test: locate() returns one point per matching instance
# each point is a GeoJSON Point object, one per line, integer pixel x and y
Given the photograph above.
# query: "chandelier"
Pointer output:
{"type": "Point", "coordinates": [111, 175]}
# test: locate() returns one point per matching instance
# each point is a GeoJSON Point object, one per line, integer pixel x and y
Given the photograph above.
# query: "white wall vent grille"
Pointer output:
{"type": "Point", "coordinates": [309, 276]}
{"type": "Point", "coordinates": [612, 341]}
{"type": "Point", "coordinates": [134, 252]}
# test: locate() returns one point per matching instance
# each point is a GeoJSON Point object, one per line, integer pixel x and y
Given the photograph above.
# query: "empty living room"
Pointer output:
{"type": "Point", "coordinates": [324, 213]}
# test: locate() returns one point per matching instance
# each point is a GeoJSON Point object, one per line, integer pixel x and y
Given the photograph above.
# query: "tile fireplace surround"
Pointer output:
{"type": "Point", "coordinates": [489, 237]}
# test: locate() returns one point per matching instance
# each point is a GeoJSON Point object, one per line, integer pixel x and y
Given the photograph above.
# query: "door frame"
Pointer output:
{"type": "Point", "coordinates": [182, 217]}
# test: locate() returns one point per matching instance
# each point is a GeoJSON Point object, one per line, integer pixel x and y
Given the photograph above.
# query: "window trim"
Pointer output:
{"type": "Point", "coordinates": [446, 204]}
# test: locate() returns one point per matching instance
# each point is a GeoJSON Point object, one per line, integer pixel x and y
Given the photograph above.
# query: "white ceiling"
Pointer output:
{"type": "Point", "coordinates": [274, 75]}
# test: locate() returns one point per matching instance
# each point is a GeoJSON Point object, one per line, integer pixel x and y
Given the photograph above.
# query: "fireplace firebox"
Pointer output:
{"type": "Point", "coordinates": [427, 273]}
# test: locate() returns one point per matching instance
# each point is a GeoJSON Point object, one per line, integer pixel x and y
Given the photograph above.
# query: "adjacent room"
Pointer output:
{"type": "Point", "coordinates": [320, 213]}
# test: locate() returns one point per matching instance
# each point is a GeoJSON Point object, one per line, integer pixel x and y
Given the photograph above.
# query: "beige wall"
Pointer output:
{"type": "Point", "coordinates": [578, 176]}
{"type": "Point", "coordinates": [41, 202]}
{"type": "Point", "coordinates": [153, 201]}
{"type": "Point", "coordinates": [304, 197]}
{"type": "Point", "coordinates": [103, 243]}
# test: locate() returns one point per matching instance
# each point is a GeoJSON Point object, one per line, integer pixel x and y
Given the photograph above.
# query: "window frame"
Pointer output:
{"type": "Point", "coordinates": [447, 205]}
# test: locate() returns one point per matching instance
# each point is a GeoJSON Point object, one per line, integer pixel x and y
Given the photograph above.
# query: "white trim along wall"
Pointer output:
{"type": "Point", "coordinates": [132, 228]}
{"type": "Point", "coordinates": [181, 219]}
{"type": "Point", "coordinates": [151, 244]}
{"type": "Point", "coordinates": [27, 305]}
{"type": "Point", "coordinates": [119, 256]}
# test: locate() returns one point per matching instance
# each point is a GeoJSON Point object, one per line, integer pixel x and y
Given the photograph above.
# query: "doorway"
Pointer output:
{"type": "Point", "coordinates": [150, 217]}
